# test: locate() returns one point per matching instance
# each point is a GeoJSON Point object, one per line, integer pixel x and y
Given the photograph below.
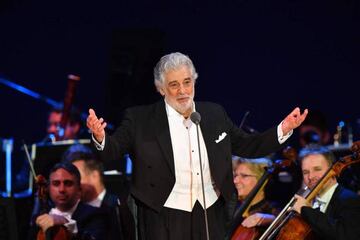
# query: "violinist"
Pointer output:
{"type": "Point", "coordinates": [247, 173]}
{"type": "Point", "coordinates": [335, 212]}
{"type": "Point", "coordinates": [121, 222]}
{"type": "Point", "coordinates": [81, 221]}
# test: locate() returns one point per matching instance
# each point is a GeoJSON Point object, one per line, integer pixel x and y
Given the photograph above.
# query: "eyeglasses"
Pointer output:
{"type": "Point", "coordinates": [244, 175]}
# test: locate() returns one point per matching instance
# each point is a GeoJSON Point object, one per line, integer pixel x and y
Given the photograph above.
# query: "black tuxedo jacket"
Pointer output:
{"type": "Point", "coordinates": [121, 221]}
{"type": "Point", "coordinates": [144, 134]}
{"type": "Point", "coordinates": [341, 219]}
{"type": "Point", "coordinates": [90, 221]}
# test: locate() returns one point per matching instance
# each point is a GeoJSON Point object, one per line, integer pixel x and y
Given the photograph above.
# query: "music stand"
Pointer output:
{"type": "Point", "coordinates": [47, 155]}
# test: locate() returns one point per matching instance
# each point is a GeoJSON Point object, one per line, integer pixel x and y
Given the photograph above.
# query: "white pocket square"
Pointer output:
{"type": "Point", "coordinates": [221, 137]}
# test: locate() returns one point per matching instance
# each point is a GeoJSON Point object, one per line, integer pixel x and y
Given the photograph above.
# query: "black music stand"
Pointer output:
{"type": "Point", "coordinates": [47, 155]}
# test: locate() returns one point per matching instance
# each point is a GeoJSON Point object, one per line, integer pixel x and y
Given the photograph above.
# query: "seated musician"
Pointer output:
{"type": "Point", "coordinates": [335, 212]}
{"type": "Point", "coordinates": [73, 129]}
{"type": "Point", "coordinates": [81, 221]}
{"type": "Point", "coordinates": [247, 174]}
{"type": "Point", "coordinates": [121, 222]}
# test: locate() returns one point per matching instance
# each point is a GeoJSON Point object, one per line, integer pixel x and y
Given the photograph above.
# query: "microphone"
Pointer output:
{"type": "Point", "coordinates": [196, 118]}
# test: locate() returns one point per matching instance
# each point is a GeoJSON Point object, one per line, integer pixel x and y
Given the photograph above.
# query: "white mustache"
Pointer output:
{"type": "Point", "coordinates": [182, 96]}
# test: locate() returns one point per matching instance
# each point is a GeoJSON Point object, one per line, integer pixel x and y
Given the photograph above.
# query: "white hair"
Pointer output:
{"type": "Point", "coordinates": [172, 61]}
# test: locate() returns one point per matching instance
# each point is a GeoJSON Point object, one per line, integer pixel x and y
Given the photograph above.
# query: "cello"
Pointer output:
{"type": "Point", "coordinates": [239, 232]}
{"type": "Point", "coordinates": [289, 225]}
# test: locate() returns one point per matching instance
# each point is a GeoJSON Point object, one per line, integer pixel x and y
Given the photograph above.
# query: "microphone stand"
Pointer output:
{"type": "Point", "coordinates": [196, 120]}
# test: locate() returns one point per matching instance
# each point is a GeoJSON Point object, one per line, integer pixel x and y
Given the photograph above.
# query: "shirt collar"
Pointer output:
{"type": "Point", "coordinates": [325, 198]}
{"type": "Point", "coordinates": [66, 213]}
{"type": "Point", "coordinates": [98, 200]}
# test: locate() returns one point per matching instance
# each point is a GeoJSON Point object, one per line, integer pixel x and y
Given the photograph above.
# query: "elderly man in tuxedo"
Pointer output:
{"type": "Point", "coordinates": [162, 142]}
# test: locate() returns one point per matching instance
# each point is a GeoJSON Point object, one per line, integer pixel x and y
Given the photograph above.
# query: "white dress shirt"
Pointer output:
{"type": "Point", "coordinates": [187, 189]}
{"type": "Point", "coordinates": [323, 200]}
{"type": "Point", "coordinates": [71, 224]}
{"type": "Point", "coordinates": [98, 200]}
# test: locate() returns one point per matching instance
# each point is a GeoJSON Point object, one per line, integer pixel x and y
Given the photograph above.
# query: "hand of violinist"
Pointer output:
{"type": "Point", "coordinates": [299, 203]}
{"type": "Point", "coordinates": [258, 219]}
{"type": "Point", "coordinates": [293, 120]}
{"type": "Point", "coordinates": [45, 221]}
{"type": "Point", "coordinates": [96, 125]}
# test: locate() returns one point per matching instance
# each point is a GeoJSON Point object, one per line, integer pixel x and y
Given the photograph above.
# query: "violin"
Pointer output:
{"type": "Point", "coordinates": [289, 225]}
{"type": "Point", "coordinates": [239, 232]}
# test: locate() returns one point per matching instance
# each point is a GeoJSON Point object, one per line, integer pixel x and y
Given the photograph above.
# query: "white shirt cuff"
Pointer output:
{"type": "Point", "coordinates": [71, 225]}
{"type": "Point", "coordinates": [99, 146]}
{"type": "Point", "coordinates": [281, 137]}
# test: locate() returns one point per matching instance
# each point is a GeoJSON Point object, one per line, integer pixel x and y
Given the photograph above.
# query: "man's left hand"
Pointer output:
{"type": "Point", "coordinates": [300, 202]}
{"type": "Point", "coordinates": [293, 120]}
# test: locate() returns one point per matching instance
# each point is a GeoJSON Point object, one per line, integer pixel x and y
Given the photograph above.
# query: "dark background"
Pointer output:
{"type": "Point", "coordinates": [266, 57]}
{"type": "Point", "coordinates": [261, 56]}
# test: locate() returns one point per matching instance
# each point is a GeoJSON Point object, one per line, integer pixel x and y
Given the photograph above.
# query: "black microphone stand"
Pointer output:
{"type": "Point", "coordinates": [195, 118]}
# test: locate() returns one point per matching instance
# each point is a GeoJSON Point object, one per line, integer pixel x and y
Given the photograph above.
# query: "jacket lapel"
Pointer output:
{"type": "Point", "coordinates": [207, 129]}
{"type": "Point", "coordinates": [163, 134]}
{"type": "Point", "coordinates": [333, 201]}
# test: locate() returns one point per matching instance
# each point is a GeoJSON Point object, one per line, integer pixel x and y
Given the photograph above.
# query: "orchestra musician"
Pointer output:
{"type": "Point", "coordinates": [93, 192]}
{"type": "Point", "coordinates": [71, 131]}
{"type": "Point", "coordinates": [261, 211]}
{"type": "Point", "coordinates": [80, 220]}
{"type": "Point", "coordinates": [335, 212]}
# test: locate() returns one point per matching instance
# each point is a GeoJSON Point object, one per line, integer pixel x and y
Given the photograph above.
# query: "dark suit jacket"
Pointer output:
{"type": "Point", "coordinates": [341, 219]}
{"type": "Point", "coordinates": [144, 134]}
{"type": "Point", "coordinates": [121, 221]}
{"type": "Point", "coordinates": [91, 223]}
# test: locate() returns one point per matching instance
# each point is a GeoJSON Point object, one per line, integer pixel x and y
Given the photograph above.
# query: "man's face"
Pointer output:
{"type": "Point", "coordinates": [178, 89]}
{"type": "Point", "coordinates": [313, 168]}
{"type": "Point", "coordinates": [54, 120]}
{"type": "Point", "coordinates": [88, 191]}
{"type": "Point", "coordinates": [63, 189]}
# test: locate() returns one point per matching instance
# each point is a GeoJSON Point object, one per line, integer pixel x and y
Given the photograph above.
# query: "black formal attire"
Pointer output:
{"type": "Point", "coordinates": [121, 221]}
{"type": "Point", "coordinates": [341, 218]}
{"type": "Point", "coordinates": [144, 134]}
{"type": "Point", "coordinates": [90, 221]}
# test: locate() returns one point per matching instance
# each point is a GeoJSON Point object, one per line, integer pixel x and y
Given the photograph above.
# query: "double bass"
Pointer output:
{"type": "Point", "coordinates": [289, 225]}
{"type": "Point", "coordinates": [236, 230]}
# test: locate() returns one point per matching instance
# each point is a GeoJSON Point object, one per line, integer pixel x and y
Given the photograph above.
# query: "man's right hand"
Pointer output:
{"type": "Point", "coordinates": [46, 221]}
{"type": "Point", "coordinates": [96, 126]}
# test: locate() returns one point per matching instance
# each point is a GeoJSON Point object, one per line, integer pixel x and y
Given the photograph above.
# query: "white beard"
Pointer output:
{"type": "Point", "coordinates": [181, 107]}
